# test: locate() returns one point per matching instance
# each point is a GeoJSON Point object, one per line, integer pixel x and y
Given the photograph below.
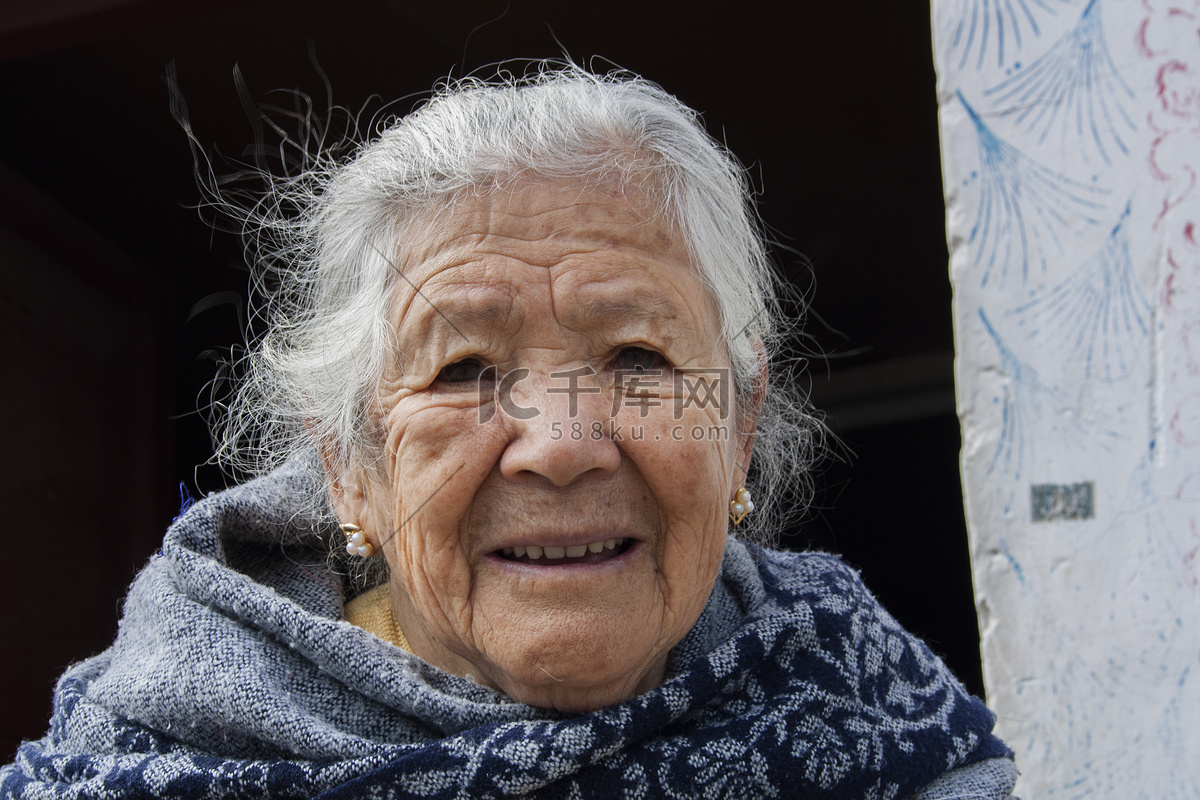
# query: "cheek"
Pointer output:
{"type": "Point", "coordinates": [688, 480]}
{"type": "Point", "coordinates": [441, 456]}
{"type": "Point", "coordinates": [687, 453]}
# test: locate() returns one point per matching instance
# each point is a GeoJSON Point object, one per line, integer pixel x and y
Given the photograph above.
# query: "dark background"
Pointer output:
{"type": "Point", "coordinates": [117, 301]}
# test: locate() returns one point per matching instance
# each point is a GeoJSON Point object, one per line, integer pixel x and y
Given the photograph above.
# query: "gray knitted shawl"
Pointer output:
{"type": "Point", "coordinates": [234, 675]}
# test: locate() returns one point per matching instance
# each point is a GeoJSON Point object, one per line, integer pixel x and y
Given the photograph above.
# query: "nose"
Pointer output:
{"type": "Point", "coordinates": [566, 439]}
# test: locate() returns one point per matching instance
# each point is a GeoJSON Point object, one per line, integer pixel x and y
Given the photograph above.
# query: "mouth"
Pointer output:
{"type": "Point", "coordinates": [552, 556]}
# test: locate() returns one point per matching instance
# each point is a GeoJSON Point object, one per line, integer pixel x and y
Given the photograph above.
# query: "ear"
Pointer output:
{"type": "Point", "coordinates": [748, 416]}
{"type": "Point", "coordinates": [348, 489]}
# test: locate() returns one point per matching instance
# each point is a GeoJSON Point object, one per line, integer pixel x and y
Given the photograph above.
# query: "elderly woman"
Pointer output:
{"type": "Point", "coordinates": [518, 369]}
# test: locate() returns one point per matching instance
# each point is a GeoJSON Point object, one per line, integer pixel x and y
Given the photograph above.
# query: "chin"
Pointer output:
{"type": "Point", "coordinates": [578, 676]}
{"type": "Point", "coordinates": [579, 699]}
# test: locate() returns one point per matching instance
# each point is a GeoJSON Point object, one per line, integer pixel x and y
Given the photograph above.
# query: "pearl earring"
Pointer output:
{"type": "Point", "coordinates": [740, 506]}
{"type": "Point", "coordinates": [356, 541]}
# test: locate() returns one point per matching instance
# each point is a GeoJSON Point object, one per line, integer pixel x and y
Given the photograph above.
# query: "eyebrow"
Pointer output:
{"type": "Point", "coordinates": [468, 319]}
{"type": "Point", "coordinates": [454, 319]}
{"type": "Point", "coordinates": [494, 312]}
{"type": "Point", "coordinates": [648, 307]}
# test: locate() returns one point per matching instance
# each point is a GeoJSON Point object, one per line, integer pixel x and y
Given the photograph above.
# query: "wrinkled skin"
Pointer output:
{"type": "Point", "coordinates": [548, 277]}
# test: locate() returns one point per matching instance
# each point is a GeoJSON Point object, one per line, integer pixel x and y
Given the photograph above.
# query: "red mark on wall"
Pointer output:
{"type": "Point", "coordinates": [1174, 157]}
{"type": "Point", "coordinates": [1186, 421]}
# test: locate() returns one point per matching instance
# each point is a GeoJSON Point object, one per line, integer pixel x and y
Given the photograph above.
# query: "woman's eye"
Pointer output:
{"type": "Point", "coordinates": [639, 359]}
{"type": "Point", "coordinates": [469, 370]}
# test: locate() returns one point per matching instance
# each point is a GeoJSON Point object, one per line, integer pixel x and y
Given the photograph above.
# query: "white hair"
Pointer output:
{"type": "Point", "coordinates": [323, 239]}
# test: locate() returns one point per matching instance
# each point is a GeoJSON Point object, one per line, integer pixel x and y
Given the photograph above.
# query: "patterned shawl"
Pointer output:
{"type": "Point", "coordinates": [234, 675]}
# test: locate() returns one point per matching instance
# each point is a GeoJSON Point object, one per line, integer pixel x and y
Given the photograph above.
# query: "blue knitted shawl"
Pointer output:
{"type": "Point", "coordinates": [233, 675]}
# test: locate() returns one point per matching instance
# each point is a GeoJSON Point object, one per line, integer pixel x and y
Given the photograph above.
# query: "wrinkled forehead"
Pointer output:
{"type": "Point", "coordinates": [543, 218]}
{"type": "Point", "coordinates": [580, 254]}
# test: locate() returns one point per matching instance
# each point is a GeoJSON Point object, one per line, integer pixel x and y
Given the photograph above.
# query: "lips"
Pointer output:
{"type": "Point", "coordinates": [553, 555]}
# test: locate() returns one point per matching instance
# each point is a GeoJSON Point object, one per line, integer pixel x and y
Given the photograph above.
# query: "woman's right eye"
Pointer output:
{"type": "Point", "coordinates": [468, 370]}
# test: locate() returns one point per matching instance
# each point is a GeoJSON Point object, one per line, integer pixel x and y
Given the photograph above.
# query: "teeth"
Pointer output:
{"type": "Point", "coordinates": [554, 553]}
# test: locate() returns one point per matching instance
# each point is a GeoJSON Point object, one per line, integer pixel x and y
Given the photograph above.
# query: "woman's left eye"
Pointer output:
{"type": "Point", "coordinates": [638, 359]}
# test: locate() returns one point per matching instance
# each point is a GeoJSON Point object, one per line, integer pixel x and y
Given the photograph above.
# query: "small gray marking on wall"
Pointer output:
{"type": "Point", "coordinates": [1055, 501]}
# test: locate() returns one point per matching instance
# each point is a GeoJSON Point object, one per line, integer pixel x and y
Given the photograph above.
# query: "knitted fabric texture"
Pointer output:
{"type": "Point", "coordinates": [233, 674]}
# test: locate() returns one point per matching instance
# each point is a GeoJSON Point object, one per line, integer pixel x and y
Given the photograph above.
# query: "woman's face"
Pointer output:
{"type": "Point", "coordinates": [506, 430]}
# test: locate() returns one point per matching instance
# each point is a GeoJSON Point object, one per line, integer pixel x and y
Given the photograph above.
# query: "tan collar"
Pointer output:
{"type": "Point", "coordinates": [372, 611]}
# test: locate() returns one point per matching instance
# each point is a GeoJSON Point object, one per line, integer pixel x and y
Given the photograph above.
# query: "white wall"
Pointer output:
{"type": "Point", "coordinates": [1071, 158]}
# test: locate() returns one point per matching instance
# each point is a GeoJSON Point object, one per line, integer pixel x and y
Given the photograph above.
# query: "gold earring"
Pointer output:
{"type": "Point", "coordinates": [740, 506]}
{"type": "Point", "coordinates": [356, 541]}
